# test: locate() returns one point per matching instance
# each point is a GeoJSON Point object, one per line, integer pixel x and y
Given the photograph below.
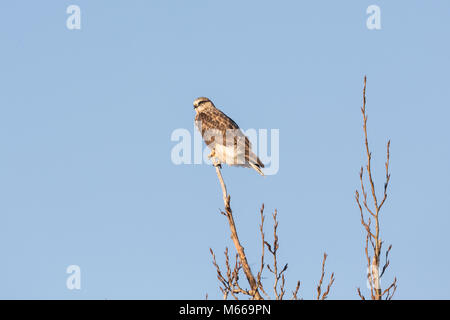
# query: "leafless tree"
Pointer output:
{"type": "Point", "coordinates": [230, 280]}
{"type": "Point", "coordinates": [370, 220]}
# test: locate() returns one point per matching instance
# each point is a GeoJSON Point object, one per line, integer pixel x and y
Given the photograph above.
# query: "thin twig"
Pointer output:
{"type": "Point", "coordinates": [323, 296]}
{"type": "Point", "coordinates": [295, 292]}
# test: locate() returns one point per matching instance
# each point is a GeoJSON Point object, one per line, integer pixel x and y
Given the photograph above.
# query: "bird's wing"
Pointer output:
{"type": "Point", "coordinates": [214, 118]}
{"type": "Point", "coordinates": [214, 123]}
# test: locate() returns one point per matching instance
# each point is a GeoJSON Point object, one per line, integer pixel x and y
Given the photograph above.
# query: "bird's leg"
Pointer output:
{"type": "Point", "coordinates": [214, 160]}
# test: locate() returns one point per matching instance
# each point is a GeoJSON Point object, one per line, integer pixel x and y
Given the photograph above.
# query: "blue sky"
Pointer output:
{"type": "Point", "coordinates": [86, 117]}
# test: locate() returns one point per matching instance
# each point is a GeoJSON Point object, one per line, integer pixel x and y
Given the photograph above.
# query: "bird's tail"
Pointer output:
{"type": "Point", "coordinates": [256, 167]}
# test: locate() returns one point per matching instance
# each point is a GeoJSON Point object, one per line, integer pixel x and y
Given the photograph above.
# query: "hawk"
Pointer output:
{"type": "Point", "coordinates": [223, 136]}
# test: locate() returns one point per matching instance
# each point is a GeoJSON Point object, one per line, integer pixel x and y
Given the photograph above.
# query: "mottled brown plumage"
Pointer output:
{"type": "Point", "coordinates": [224, 137]}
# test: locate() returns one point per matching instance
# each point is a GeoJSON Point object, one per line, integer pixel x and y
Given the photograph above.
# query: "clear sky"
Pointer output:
{"type": "Point", "coordinates": [86, 116]}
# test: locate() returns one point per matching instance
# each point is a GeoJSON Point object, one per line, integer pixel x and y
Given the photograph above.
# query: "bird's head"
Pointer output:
{"type": "Point", "coordinates": [202, 103]}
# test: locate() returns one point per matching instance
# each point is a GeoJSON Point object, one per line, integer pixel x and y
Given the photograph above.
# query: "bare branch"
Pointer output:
{"type": "Point", "coordinates": [323, 296]}
{"type": "Point", "coordinates": [295, 292]}
{"type": "Point", "coordinates": [234, 236]}
{"type": "Point", "coordinates": [261, 229]}
{"type": "Point", "coordinates": [360, 294]}
{"type": "Point", "coordinates": [373, 234]}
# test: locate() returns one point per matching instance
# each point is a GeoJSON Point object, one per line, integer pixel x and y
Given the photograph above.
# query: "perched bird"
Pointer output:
{"type": "Point", "coordinates": [223, 136]}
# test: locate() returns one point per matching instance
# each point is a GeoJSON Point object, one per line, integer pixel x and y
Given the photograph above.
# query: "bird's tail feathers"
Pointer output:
{"type": "Point", "coordinates": [256, 167]}
{"type": "Point", "coordinates": [251, 157]}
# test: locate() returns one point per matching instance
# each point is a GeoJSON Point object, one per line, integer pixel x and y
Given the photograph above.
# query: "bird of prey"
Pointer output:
{"type": "Point", "coordinates": [223, 136]}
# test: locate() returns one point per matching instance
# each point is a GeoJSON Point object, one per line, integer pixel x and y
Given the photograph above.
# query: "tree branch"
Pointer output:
{"type": "Point", "coordinates": [373, 263]}
{"type": "Point", "coordinates": [234, 236]}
